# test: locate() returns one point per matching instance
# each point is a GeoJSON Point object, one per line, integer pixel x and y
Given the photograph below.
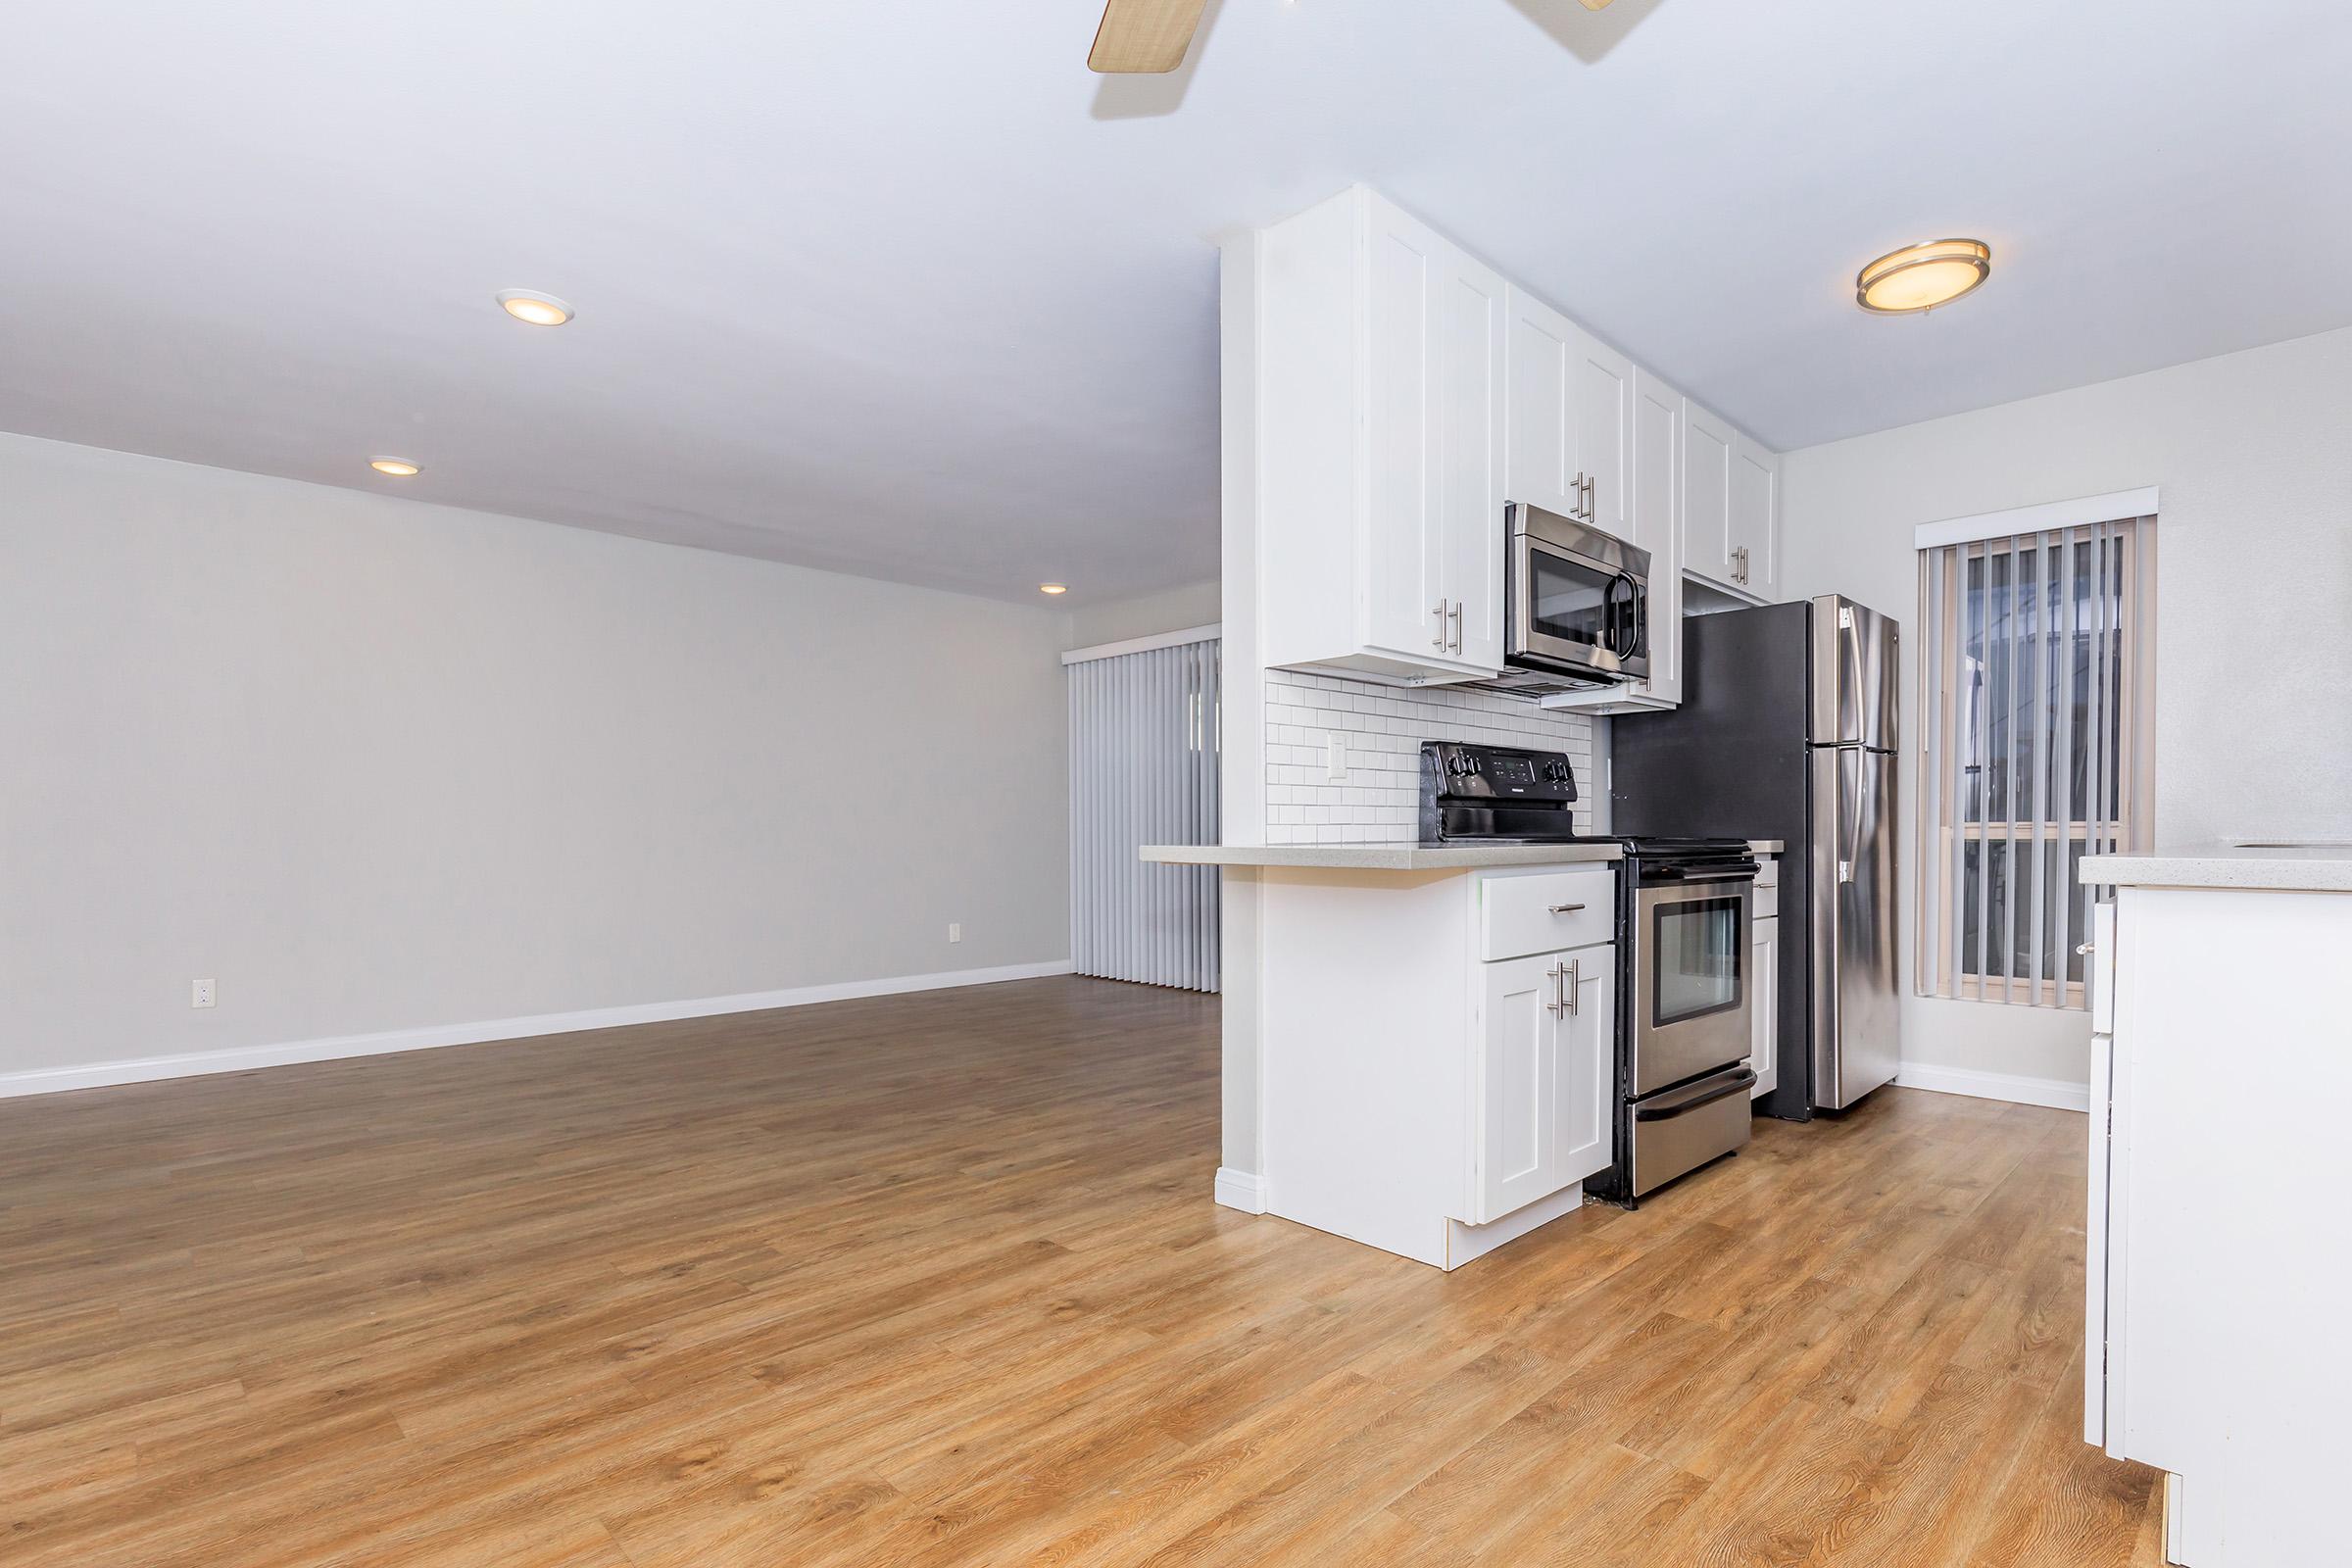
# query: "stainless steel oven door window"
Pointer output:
{"type": "Point", "coordinates": [1696, 945]}
{"type": "Point", "coordinates": [1690, 994]}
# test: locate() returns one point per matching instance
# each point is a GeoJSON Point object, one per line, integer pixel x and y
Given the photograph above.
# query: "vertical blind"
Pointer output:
{"type": "Point", "coordinates": [1143, 757]}
{"type": "Point", "coordinates": [2036, 686]}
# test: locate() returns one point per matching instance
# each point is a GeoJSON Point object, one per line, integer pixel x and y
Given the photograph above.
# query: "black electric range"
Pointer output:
{"type": "Point", "coordinates": [1682, 956]}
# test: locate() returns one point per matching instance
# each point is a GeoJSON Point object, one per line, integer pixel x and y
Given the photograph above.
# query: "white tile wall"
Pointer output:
{"type": "Point", "coordinates": [1382, 728]}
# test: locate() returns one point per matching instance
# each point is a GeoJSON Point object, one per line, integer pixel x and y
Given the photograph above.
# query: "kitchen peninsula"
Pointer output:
{"type": "Point", "coordinates": [2220, 1247]}
{"type": "Point", "coordinates": [1436, 1030]}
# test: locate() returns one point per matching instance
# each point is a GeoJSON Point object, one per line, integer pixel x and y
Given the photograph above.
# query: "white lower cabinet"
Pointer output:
{"type": "Point", "coordinates": [1435, 1052]}
{"type": "Point", "coordinates": [1541, 1084]}
{"type": "Point", "coordinates": [1764, 1028]}
{"type": "Point", "coordinates": [2217, 1246]}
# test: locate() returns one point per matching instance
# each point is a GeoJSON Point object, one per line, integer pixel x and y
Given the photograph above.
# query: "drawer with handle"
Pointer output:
{"type": "Point", "coordinates": [1544, 911]}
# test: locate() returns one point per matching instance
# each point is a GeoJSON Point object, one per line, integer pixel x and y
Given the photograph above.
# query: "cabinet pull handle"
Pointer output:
{"type": "Point", "coordinates": [1591, 500]}
{"type": "Point", "coordinates": [1439, 641]}
{"type": "Point", "coordinates": [1557, 1006]}
{"type": "Point", "coordinates": [1571, 982]}
{"type": "Point", "coordinates": [1566, 909]}
{"type": "Point", "coordinates": [1455, 614]}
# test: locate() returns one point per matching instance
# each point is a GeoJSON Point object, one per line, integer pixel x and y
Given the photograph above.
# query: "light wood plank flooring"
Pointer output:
{"type": "Point", "coordinates": [937, 1279]}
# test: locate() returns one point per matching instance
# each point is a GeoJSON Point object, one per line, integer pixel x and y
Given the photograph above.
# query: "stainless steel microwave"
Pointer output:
{"type": "Point", "coordinates": [1576, 602]}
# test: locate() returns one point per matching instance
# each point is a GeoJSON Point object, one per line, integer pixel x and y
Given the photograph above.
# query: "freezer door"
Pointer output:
{"type": "Point", "coordinates": [1856, 1013]}
{"type": "Point", "coordinates": [1855, 677]}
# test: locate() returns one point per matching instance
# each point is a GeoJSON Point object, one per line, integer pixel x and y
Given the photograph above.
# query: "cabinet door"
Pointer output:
{"type": "Point", "coordinates": [1706, 495]}
{"type": "Point", "coordinates": [1755, 532]}
{"type": "Point", "coordinates": [1516, 1092]}
{"type": "Point", "coordinates": [1468, 319]}
{"type": "Point", "coordinates": [1764, 1024]}
{"type": "Point", "coordinates": [1542, 358]}
{"type": "Point", "coordinates": [1403, 607]}
{"type": "Point", "coordinates": [1588, 1065]}
{"type": "Point", "coordinates": [1541, 1083]}
{"type": "Point", "coordinates": [1604, 434]}
{"type": "Point", "coordinates": [1657, 527]}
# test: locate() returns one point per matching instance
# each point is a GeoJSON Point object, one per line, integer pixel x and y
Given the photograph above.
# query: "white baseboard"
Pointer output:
{"type": "Point", "coordinates": [2058, 1094]}
{"type": "Point", "coordinates": [1241, 1189]}
{"type": "Point", "coordinates": [243, 1059]}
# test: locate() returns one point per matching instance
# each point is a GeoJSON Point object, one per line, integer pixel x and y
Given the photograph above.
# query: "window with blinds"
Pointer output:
{"type": "Point", "coordinates": [1145, 753]}
{"type": "Point", "coordinates": [2037, 691]}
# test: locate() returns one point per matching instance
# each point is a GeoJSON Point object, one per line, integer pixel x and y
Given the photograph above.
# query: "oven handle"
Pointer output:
{"type": "Point", "coordinates": [1743, 870]}
{"type": "Point", "coordinates": [1665, 1106]}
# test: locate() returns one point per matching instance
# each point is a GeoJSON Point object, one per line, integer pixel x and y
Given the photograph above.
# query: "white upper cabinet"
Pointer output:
{"type": "Point", "coordinates": [1604, 435]}
{"type": "Point", "coordinates": [1379, 439]}
{"type": "Point", "coordinates": [1653, 521]}
{"type": "Point", "coordinates": [1755, 531]}
{"type": "Point", "coordinates": [1569, 409]}
{"type": "Point", "coordinates": [1542, 386]}
{"type": "Point", "coordinates": [1706, 495]}
{"type": "Point", "coordinates": [1390, 395]}
{"type": "Point", "coordinates": [1732, 507]}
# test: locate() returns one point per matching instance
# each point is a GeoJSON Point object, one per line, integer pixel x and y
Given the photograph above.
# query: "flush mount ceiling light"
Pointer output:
{"type": "Point", "coordinates": [1053, 587]}
{"type": "Point", "coordinates": [397, 468]}
{"type": "Point", "coordinates": [530, 305]}
{"type": "Point", "coordinates": [1920, 277]}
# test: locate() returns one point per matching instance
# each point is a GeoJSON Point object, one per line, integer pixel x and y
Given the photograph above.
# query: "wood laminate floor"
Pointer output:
{"type": "Point", "coordinates": [937, 1279]}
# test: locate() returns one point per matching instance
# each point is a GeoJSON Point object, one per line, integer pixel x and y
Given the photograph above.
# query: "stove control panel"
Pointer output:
{"type": "Point", "coordinates": [1461, 770]}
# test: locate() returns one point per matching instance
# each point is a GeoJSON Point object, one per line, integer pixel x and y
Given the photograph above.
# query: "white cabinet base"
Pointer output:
{"type": "Point", "coordinates": [1378, 1075]}
{"type": "Point", "coordinates": [1464, 1243]}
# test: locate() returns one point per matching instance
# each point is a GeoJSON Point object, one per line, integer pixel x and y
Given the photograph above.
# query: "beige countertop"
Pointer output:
{"type": "Point", "coordinates": [1397, 857]}
{"type": "Point", "coordinates": [2308, 867]}
{"type": "Point", "coordinates": [1378, 856]}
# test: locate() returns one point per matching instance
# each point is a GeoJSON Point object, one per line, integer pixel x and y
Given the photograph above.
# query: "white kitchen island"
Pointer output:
{"type": "Point", "coordinates": [2219, 1236]}
{"type": "Point", "coordinates": [1434, 1036]}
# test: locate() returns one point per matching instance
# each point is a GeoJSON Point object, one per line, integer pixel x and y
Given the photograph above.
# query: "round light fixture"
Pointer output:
{"type": "Point", "coordinates": [397, 468]}
{"type": "Point", "coordinates": [529, 304]}
{"type": "Point", "coordinates": [1920, 277]}
{"type": "Point", "coordinates": [1053, 587]}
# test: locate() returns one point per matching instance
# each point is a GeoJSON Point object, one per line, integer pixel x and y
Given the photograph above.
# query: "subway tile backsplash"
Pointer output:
{"type": "Point", "coordinates": [1382, 728]}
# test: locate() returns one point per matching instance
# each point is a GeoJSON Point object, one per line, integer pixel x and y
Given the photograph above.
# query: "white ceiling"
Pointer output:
{"type": "Point", "coordinates": [898, 287]}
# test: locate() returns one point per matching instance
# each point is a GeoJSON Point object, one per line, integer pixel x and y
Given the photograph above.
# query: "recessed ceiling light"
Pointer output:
{"type": "Point", "coordinates": [1053, 587]}
{"type": "Point", "coordinates": [398, 467]}
{"type": "Point", "coordinates": [1920, 277]}
{"type": "Point", "coordinates": [530, 305]}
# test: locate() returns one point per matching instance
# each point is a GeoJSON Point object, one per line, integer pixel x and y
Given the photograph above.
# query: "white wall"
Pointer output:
{"type": "Point", "coordinates": [2253, 455]}
{"type": "Point", "coordinates": [1180, 609]}
{"type": "Point", "coordinates": [377, 766]}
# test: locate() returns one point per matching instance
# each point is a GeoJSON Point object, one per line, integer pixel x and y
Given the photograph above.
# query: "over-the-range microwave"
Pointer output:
{"type": "Point", "coordinates": [1576, 606]}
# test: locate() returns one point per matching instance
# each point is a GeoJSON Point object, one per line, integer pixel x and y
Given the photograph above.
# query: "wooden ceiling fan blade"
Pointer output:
{"type": "Point", "coordinates": [1145, 37]}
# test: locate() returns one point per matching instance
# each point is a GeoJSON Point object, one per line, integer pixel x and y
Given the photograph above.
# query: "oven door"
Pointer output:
{"type": "Point", "coordinates": [1692, 1000]}
{"type": "Point", "coordinates": [1574, 611]}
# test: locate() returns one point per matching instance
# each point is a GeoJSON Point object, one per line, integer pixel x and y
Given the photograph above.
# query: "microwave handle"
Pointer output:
{"type": "Point", "coordinates": [1633, 619]}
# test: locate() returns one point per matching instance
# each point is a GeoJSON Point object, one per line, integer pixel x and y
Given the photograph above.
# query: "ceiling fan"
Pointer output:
{"type": "Point", "coordinates": [1149, 37]}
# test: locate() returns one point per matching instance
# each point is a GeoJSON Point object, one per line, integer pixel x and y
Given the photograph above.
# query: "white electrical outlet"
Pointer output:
{"type": "Point", "coordinates": [200, 994]}
{"type": "Point", "coordinates": [954, 932]}
{"type": "Point", "coordinates": [1335, 757]}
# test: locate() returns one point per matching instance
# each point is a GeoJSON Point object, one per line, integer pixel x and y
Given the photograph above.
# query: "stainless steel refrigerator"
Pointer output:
{"type": "Point", "coordinates": [1786, 730]}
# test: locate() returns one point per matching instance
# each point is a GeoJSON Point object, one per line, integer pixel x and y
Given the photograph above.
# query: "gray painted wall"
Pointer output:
{"type": "Point", "coordinates": [375, 764]}
{"type": "Point", "coordinates": [2253, 455]}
